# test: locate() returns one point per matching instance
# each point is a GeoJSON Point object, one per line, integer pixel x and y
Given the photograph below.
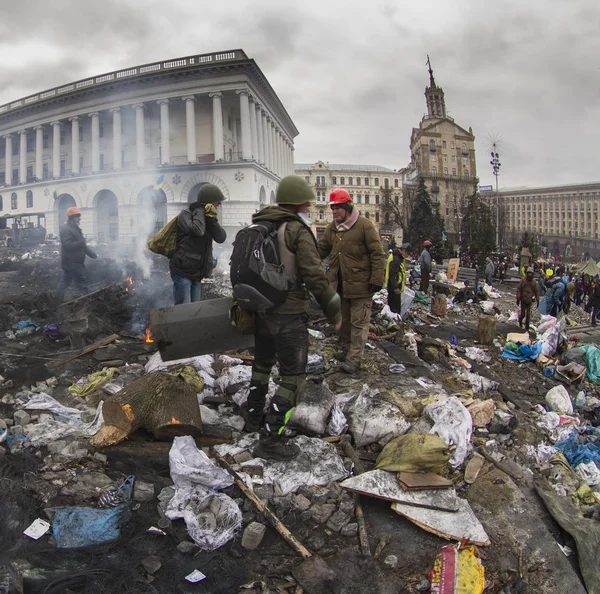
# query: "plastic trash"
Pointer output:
{"type": "Point", "coordinates": [43, 401]}
{"type": "Point", "coordinates": [233, 378]}
{"type": "Point", "coordinates": [453, 340]}
{"type": "Point", "coordinates": [316, 334]}
{"type": "Point", "coordinates": [457, 571]}
{"type": "Point", "coordinates": [453, 423]}
{"type": "Point", "coordinates": [576, 451]}
{"type": "Point", "coordinates": [477, 354]}
{"type": "Point", "coordinates": [196, 478]}
{"type": "Point", "coordinates": [338, 423]}
{"type": "Point", "coordinates": [313, 408]}
{"type": "Point", "coordinates": [54, 332]}
{"type": "Point", "coordinates": [397, 368]}
{"type": "Point", "coordinates": [76, 527]}
{"type": "Point", "coordinates": [559, 400]}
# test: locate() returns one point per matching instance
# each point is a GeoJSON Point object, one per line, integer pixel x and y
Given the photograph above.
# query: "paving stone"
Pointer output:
{"type": "Point", "coordinates": [242, 457]}
{"type": "Point", "coordinates": [301, 502]}
{"type": "Point", "coordinates": [337, 521]}
{"type": "Point", "coordinates": [264, 491]}
{"type": "Point", "coordinates": [22, 417]}
{"type": "Point", "coordinates": [16, 430]}
{"type": "Point", "coordinates": [391, 562]}
{"type": "Point", "coordinates": [315, 543]}
{"type": "Point", "coordinates": [143, 491]}
{"type": "Point", "coordinates": [320, 495]}
{"type": "Point", "coordinates": [322, 512]}
{"type": "Point", "coordinates": [347, 507]}
{"type": "Point", "coordinates": [349, 529]}
{"type": "Point", "coordinates": [253, 535]}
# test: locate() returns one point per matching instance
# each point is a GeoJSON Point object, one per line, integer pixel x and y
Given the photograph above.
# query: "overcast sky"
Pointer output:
{"type": "Point", "coordinates": [352, 74]}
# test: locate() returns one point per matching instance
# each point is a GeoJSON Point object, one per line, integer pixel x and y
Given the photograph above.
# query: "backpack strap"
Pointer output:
{"type": "Point", "coordinates": [288, 258]}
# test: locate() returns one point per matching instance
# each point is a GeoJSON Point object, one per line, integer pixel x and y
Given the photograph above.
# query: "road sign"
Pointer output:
{"type": "Point", "coordinates": [485, 188]}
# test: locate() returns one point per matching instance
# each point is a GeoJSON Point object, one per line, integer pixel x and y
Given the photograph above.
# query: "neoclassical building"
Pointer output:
{"type": "Point", "coordinates": [443, 153]}
{"type": "Point", "coordinates": [560, 216]}
{"type": "Point", "coordinates": [367, 186]}
{"type": "Point", "coordinates": [102, 143]}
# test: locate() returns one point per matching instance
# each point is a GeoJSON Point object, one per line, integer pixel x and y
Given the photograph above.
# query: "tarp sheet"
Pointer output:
{"type": "Point", "coordinates": [592, 362]}
{"type": "Point", "coordinates": [530, 353]}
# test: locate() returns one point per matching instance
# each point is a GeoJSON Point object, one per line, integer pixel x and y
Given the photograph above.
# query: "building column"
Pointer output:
{"type": "Point", "coordinates": [217, 126]}
{"type": "Point", "coordinates": [253, 133]}
{"type": "Point", "coordinates": [268, 153]}
{"type": "Point", "coordinates": [245, 121]}
{"type": "Point", "coordinates": [95, 141]}
{"type": "Point", "coordinates": [22, 156]}
{"type": "Point", "coordinates": [280, 153]}
{"type": "Point", "coordinates": [190, 128]}
{"type": "Point", "coordinates": [55, 149]}
{"type": "Point", "coordinates": [165, 133]}
{"type": "Point", "coordinates": [139, 134]}
{"type": "Point", "coordinates": [74, 145]}
{"type": "Point", "coordinates": [273, 148]}
{"type": "Point", "coordinates": [260, 153]}
{"type": "Point", "coordinates": [39, 152]}
{"type": "Point", "coordinates": [117, 150]}
{"type": "Point", "coordinates": [292, 160]}
{"type": "Point", "coordinates": [8, 160]}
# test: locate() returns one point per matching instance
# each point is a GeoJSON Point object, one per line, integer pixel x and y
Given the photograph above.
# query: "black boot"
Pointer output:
{"type": "Point", "coordinates": [276, 448]}
{"type": "Point", "coordinates": [256, 404]}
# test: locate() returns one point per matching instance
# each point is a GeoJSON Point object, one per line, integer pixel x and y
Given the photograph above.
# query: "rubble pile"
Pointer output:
{"type": "Point", "coordinates": [124, 472]}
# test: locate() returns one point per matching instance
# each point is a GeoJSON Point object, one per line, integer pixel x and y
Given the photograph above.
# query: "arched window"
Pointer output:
{"type": "Point", "coordinates": [434, 171]}
{"type": "Point", "coordinates": [29, 199]}
{"type": "Point", "coordinates": [386, 183]}
{"type": "Point", "coordinates": [387, 218]}
{"type": "Point", "coordinates": [1, 204]}
{"type": "Point", "coordinates": [377, 217]}
{"type": "Point", "coordinates": [376, 182]}
{"type": "Point", "coordinates": [14, 202]}
{"type": "Point", "coordinates": [396, 183]}
{"type": "Point", "coordinates": [321, 215]}
{"type": "Point", "coordinates": [464, 147]}
{"type": "Point", "coordinates": [466, 173]}
{"type": "Point", "coordinates": [432, 144]}
{"type": "Point", "coordinates": [367, 215]}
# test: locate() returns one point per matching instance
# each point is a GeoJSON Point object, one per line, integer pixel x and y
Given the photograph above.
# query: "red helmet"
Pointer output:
{"type": "Point", "coordinates": [427, 243]}
{"type": "Point", "coordinates": [339, 196]}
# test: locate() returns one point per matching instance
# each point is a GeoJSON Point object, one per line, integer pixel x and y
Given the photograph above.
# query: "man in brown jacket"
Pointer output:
{"type": "Point", "coordinates": [356, 268]}
{"type": "Point", "coordinates": [527, 291]}
{"type": "Point", "coordinates": [281, 333]}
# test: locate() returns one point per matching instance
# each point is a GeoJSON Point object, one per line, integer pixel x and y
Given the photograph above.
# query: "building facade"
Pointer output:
{"type": "Point", "coordinates": [369, 186]}
{"type": "Point", "coordinates": [564, 218]}
{"type": "Point", "coordinates": [102, 143]}
{"type": "Point", "coordinates": [443, 153]}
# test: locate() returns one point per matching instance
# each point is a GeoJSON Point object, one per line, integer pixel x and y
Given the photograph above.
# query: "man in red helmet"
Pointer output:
{"type": "Point", "coordinates": [73, 250]}
{"type": "Point", "coordinates": [425, 264]}
{"type": "Point", "coordinates": [356, 268]}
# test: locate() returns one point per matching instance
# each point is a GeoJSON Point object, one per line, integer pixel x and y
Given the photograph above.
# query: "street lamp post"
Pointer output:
{"type": "Point", "coordinates": [495, 163]}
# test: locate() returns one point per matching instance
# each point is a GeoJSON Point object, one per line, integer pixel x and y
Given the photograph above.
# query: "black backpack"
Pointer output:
{"type": "Point", "coordinates": [258, 275]}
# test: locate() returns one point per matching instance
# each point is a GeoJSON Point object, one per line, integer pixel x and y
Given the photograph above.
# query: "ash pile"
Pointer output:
{"type": "Point", "coordinates": [457, 442]}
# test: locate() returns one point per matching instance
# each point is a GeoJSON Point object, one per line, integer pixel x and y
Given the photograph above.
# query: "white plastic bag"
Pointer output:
{"type": "Point", "coordinates": [233, 379]}
{"type": "Point", "coordinates": [559, 400]}
{"type": "Point", "coordinates": [453, 423]}
{"type": "Point", "coordinates": [338, 423]}
{"type": "Point", "coordinates": [406, 299]}
{"type": "Point", "coordinates": [477, 354]}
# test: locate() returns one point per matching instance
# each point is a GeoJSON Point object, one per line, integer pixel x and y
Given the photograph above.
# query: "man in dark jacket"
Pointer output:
{"type": "Point", "coordinates": [352, 249]}
{"type": "Point", "coordinates": [527, 292]}
{"type": "Point", "coordinates": [281, 333]}
{"type": "Point", "coordinates": [197, 227]}
{"type": "Point", "coordinates": [425, 264]}
{"type": "Point", "coordinates": [73, 250]}
{"type": "Point", "coordinates": [595, 299]}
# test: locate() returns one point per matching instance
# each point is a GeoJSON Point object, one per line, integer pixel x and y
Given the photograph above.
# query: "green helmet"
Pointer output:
{"type": "Point", "coordinates": [209, 194]}
{"type": "Point", "coordinates": [294, 190]}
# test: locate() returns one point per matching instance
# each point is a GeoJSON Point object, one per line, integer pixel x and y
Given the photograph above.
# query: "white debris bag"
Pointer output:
{"type": "Point", "coordinates": [373, 419]}
{"type": "Point", "coordinates": [406, 299]}
{"type": "Point", "coordinates": [479, 383]}
{"type": "Point", "coordinates": [478, 354]}
{"type": "Point", "coordinates": [338, 423]}
{"type": "Point", "coordinates": [453, 423]}
{"type": "Point", "coordinates": [487, 306]}
{"type": "Point", "coordinates": [315, 363]}
{"type": "Point", "coordinates": [200, 363]}
{"type": "Point", "coordinates": [233, 379]}
{"type": "Point", "coordinates": [43, 401]}
{"type": "Point", "coordinates": [196, 478]}
{"type": "Point", "coordinates": [313, 408]}
{"type": "Point", "coordinates": [589, 473]}
{"type": "Point", "coordinates": [559, 400]}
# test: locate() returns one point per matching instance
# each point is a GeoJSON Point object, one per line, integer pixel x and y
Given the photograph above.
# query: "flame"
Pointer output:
{"type": "Point", "coordinates": [130, 280]}
{"type": "Point", "coordinates": [148, 337]}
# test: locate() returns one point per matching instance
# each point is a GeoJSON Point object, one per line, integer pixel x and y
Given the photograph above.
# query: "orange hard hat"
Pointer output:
{"type": "Point", "coordinates": [339, 196]}
{"type": "Point", "coordinates": [73, 210]}
{"type": "Point", "coordinates": [427, 243]}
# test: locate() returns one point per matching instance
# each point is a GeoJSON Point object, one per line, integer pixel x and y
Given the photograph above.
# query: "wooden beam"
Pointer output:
{"type": "Point", "coordinates": [88, 349]}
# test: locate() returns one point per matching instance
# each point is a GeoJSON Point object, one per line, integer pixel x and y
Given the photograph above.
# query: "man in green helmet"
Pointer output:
{"type": "Point", "coordinates": [197, 227]}
{"type": "Point", "coordinates": [281, 333]}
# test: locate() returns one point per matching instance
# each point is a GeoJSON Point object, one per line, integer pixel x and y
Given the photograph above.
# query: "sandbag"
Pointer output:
{"type": "Point", "coordinates": [414, 452]}
{"type": "Point", "coordinates": [164, 242]}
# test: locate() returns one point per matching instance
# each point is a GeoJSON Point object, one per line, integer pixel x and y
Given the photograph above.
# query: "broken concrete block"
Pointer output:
{"type": "Point", "coordinates": [337, 521]}
{"type": "Point", "coordinates": [482, 412]}
{"type": "Point", "coordinates": [349, 529]}
{"type": "Point", "coordinates": [322, 512]}
{"type": "Point", "coordinates": [473, 468]}
{"type": "Point", "coordinates": [143, 491]}
{"type": "Point", "coordinates": [301, 503]}
{"type": "Point", "coordinates": [253, 535]}
{"type": "Point", "coordinates": [103, 458]}
{"type": "Point", "coordinates": [8, 422]}
{"type": "Point", "coordinates": [16, 430]}
{"type": "Point", "coordinates": [22, 417]}
{"type": "Point", "coordinates": [313, 408]}
{"type": "Point", "coordinates": [264, 491]}
{"type": "Point", "coordinates": [320, 495]}
{"type": "Point", "coordinates": [242, 457]}
{"type": "Point", "coordinates": [391, 562]}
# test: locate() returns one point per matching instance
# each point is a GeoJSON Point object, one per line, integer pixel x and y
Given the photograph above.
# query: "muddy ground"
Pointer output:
{"type": "Point", "coordinates": [523, 556]}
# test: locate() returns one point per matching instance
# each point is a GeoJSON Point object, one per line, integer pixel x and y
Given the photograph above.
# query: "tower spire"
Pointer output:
{"type": "Point", "coordinates": [431, 79]}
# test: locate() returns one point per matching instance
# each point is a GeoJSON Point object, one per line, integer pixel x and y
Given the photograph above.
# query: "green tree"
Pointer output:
{"type": "Point", "coordinates": [478, 229]}
{"type": "Point", "coordinates": [426, 223]}
{"type": "Point", "coordinates": [529, 240]}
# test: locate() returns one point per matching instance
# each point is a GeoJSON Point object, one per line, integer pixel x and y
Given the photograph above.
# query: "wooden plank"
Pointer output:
{"type": "Point", "coordinates": [462, 525]}
{"type": "Point", "coordinates": [385, 485]}
{"type": "Point", "coordinates": [423, 480]}
{"type": "Point", "coordinates": [88, 349]}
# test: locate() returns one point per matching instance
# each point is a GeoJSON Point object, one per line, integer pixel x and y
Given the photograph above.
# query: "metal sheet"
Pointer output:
{"type": "Point", "coordinates": [194, 329]}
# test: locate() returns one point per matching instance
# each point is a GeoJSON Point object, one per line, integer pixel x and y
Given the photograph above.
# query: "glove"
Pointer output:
{"type": "Point", "coordinates": [210, 210]}
{"type": "Point", "coordinates": [376, 288]}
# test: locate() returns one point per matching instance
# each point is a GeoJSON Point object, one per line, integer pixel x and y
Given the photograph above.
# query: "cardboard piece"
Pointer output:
{"type": "Point", "coordinates": [423, 480]}
{"type": "Point", "coordinates": [462, 525]}
{"type": "Point", "coordinates": [453, 265]}
{"type": "Point", "coordinates": [517, 338]}
{"type": "Point", "coordinates": [385, 485]}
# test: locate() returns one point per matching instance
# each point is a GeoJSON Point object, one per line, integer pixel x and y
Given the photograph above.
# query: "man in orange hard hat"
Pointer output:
{"type": "Point", "coordinates": [73, 250]}
{"type": "Point", "coordinates": [356, 270]}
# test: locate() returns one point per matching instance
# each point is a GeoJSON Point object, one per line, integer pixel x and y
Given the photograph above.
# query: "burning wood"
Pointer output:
{"type": "Point", "coordinates": [148, 337]}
